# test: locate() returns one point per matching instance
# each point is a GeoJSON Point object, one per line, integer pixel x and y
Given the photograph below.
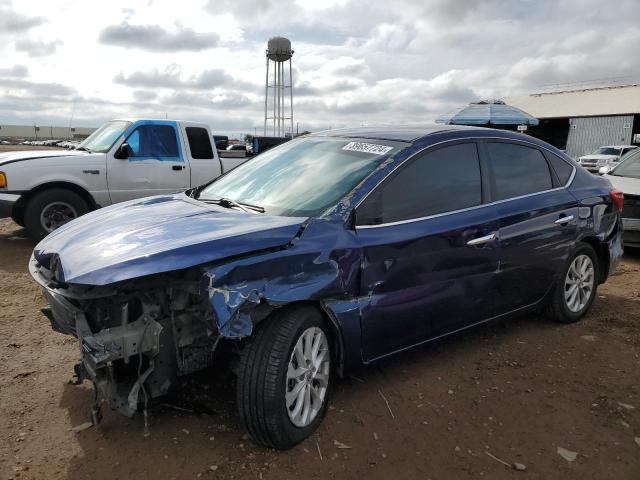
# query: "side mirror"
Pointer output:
{"type": "Point", "coordinates": [604, 170]}
{"type": "Point", "coordinates": [122, 153]}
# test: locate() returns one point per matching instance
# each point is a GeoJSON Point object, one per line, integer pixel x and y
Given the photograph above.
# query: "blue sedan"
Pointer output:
{"type": "Point", "coordinates": [325, 253]}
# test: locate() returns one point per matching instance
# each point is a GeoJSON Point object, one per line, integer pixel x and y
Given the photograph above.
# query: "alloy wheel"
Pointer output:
{"type": "Point", "coordinates": [307, 377]}
{"type": "Point", "coordinates": [579, 283]}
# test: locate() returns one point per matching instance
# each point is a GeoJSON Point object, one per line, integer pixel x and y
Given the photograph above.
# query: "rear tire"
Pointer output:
{"type": "Point", "coordinates": [51, 209]}
{"type": "Point", "coordinates": [274, 380]}
{"type": "Point", "coordinates": [576, 287]}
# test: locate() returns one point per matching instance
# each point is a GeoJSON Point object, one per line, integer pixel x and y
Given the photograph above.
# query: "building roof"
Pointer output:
{"type": "Point", "coordinates": [592, 102]}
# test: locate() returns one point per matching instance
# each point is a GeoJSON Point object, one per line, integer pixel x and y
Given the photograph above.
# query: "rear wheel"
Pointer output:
{"type": "Point", "coordinates": [50, 209]}
{"type": "Point", "coordinates": [576, 288]}
{"type": "Point", "coordinates": [284, 378]}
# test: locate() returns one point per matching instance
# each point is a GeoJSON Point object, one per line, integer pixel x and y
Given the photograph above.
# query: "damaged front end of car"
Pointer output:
{"type": "Point", "coordinates": [136, 338]}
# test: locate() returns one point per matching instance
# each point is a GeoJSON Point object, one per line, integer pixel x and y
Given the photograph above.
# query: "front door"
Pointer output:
{"type": "Point", "coordinates": [429, 251]}
{"type": "Point", "coordinates": [155, 164]}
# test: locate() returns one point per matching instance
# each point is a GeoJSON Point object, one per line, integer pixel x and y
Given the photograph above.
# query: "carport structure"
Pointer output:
{"type": "Point", "coordinates": [489, 113]}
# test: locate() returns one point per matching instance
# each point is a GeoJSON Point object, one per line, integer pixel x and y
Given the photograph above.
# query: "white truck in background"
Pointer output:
{"type": "Point", "coordinates": [122, 160]}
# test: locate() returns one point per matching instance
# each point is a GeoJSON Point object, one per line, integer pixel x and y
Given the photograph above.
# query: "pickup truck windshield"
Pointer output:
{"type": "Point", "coordinates": [607, 151]}
{"type": "Point", "coordinates": [103, 138]}
{"type": "Point", "coordinates": [303, 177]}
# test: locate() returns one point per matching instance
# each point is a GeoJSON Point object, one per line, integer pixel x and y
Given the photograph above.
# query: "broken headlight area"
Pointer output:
{"type": "Point", "coordinates": [136, 340]}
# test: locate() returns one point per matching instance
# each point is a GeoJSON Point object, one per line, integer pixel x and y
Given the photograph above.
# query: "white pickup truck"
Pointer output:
{"type": "Point", "coordinates": [122, 160]}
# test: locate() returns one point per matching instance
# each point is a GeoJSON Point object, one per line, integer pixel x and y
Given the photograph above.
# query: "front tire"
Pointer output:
{"type": "Point", "coordinates": [50, 209]}
{"type": "Point", "coordinates": [284, 378]}
{"type": "Point", "coordinates": [576, 287]}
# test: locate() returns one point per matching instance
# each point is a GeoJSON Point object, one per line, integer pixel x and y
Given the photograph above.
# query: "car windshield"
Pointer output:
{"type": "Point", "coordinates": [103, 138]}
{"type": "Point", "coordinates": [630, 167]}
{"type": "Point", "coordinates": [303, 177]}
{"type": "Point", "coordinates": [607, 151]}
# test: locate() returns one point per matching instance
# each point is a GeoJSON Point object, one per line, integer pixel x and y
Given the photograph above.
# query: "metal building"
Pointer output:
{"type": "Point", "coordinates": [278, 113]}
{"type": "Point", "coordinates": [42, 132]}
{"type": "Point", "coordinates": [584, 119]}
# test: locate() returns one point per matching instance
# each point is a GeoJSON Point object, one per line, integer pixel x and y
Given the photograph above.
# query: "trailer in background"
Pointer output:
{"type": "Point", "coordinates": [221, 141]}
{"type": "Point", "coordinates": [262, 144]}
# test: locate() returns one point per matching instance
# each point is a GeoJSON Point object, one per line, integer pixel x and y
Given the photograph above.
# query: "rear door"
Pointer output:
{"type": "Point", "coordinates": [429, 250]}
{"type": "Point", "coordinates": [156, 162]}
{"type": "Point", "coordinates": [538, 219]}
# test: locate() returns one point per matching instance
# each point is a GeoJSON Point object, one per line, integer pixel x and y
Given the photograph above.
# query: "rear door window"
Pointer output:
{"type": "Point", "coordinates": [440, 181]}
{"type": "Point", "coordinates": [199, 143]}
{"type": "Point", "coordinates": [517, 170]}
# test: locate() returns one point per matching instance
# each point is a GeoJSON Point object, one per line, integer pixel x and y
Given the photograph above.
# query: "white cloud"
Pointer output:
{"type": "Point", "coordinates": [356, 61]}
{"type": "Point", "coordinates": [157, 39]}
{"type": "Point", "coordinates": [37, 48]}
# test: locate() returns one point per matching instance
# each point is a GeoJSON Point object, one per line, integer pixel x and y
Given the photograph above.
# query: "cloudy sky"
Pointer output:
{"type": "Point", "coordinates": [356, 61]}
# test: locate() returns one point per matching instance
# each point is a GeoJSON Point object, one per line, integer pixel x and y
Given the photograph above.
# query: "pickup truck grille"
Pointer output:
{"type": "Point", "coordinates": [631, 207]}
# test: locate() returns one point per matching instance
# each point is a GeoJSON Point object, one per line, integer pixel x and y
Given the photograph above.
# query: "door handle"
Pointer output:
{"type": "Point", "coordinates": [564, 220]}
{"type": "Point", "coordinates": [482, 240]}
{"type": "Point", "coordinates": [177, 167]}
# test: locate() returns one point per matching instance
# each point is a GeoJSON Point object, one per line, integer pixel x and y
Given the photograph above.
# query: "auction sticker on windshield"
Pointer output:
{"type": "Point", "coordinates": [367, 148]}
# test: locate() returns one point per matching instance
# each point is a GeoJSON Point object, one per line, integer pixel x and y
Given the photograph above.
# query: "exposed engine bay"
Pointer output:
{"type": "Point", "coordinates": [135, 343]}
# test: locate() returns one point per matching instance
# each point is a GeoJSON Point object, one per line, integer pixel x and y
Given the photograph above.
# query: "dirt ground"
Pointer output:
{"type": "Point", "coordinates": [517, 390]}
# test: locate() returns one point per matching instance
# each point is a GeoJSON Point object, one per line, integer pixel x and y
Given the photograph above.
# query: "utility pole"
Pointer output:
{"type": "Point", "coordinates": [73, 112]}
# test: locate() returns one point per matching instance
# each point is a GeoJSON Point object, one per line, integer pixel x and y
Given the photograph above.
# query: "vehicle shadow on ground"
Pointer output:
{"type": "Point", "coordinates": [632, 254]}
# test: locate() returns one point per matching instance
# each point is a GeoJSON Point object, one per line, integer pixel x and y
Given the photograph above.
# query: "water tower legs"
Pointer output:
{"type": "Point", "coordinates": [275, 109]}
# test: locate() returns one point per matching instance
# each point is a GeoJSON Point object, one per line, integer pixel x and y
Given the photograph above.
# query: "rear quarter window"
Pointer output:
{"type": "Point", "coordinates": [562, 168]}
{"type": "Point", "coordinates": [199, 143]}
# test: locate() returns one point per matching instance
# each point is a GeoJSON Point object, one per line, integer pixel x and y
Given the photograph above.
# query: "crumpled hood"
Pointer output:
{"type": "Point", "coordinates": [155, 235]}
{"type": "Point", "coordinates": [9, 157]}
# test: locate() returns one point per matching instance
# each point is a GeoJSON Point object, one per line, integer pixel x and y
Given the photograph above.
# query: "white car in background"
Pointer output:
{"type": "Point", "coordinates": [626, 178]}
{"type": "Point", "coordinates": [607, 156]}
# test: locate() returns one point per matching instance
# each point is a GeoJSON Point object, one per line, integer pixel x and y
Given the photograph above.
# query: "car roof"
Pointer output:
{"type": "Point", "coordinates": [150, 119]}
{"type": "Point", "coordinates": [396, 133]}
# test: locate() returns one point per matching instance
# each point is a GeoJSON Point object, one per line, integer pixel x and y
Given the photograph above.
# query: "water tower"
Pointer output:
{"type": "Point", "coordinates": [277, 113]}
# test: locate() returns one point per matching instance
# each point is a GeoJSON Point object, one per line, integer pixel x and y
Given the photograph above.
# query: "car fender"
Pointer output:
{"type": "Point", "coordinates": [87, 173]}
{"type": "Point", "coordinates": [243, 292]}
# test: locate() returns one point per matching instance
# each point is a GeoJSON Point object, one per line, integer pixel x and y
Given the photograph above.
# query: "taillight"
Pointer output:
{"type": "Point", "coordinates": [617, 198]}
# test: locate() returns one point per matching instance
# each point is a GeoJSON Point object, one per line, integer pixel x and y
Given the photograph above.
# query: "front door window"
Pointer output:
{"type": "Point", "coordinates": [154, 142]}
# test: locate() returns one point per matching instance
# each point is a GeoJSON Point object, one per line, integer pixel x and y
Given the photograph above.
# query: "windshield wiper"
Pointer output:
{"type": "Point", "coordinates": [83, 149]}
{"type": "Point", "coordinates": [256, 208]}
{"type": "Point", "coordinates": [228, 203]}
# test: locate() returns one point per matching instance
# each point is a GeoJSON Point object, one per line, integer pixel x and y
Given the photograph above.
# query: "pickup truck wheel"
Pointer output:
{"type": "Point", "coordinates": [284, 378]}
{"type": "Point", "coordinates": [50, 209]}
{"type": "Point", "coordinates": [576, 287]}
